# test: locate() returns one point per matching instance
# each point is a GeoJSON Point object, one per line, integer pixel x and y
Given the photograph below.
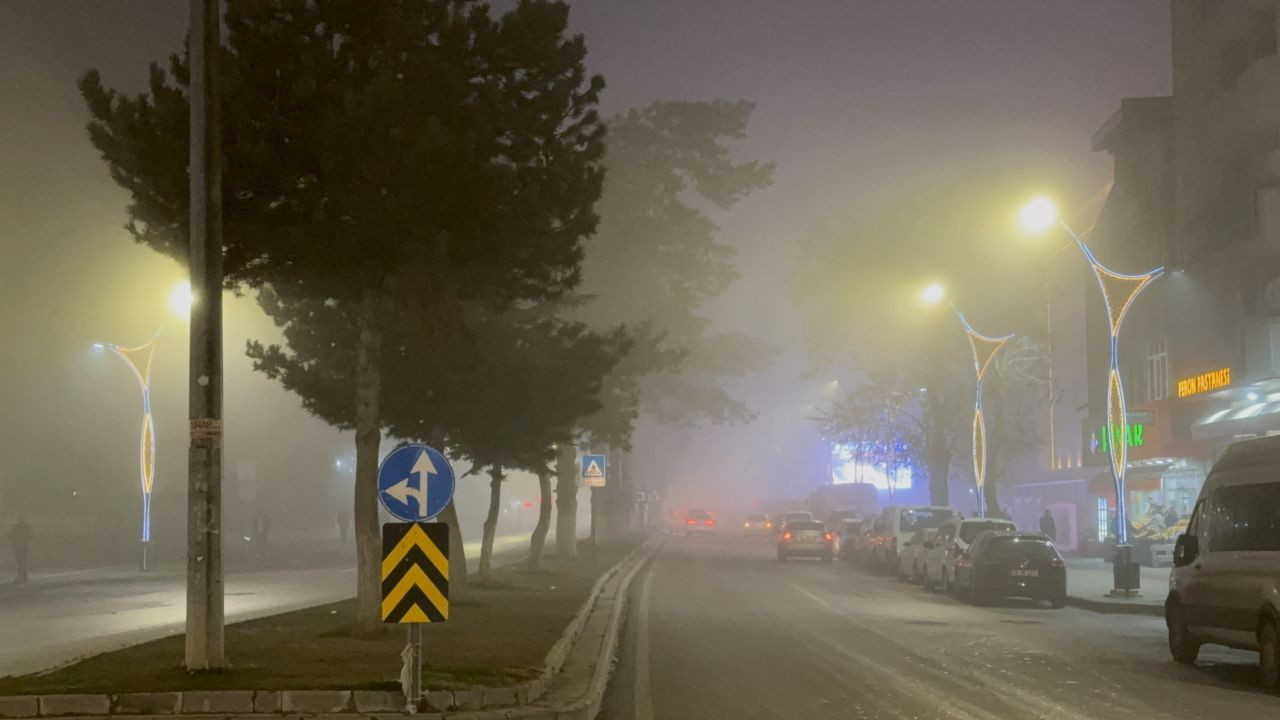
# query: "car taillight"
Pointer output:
{"type": "Point", "coordinates": [827, 537]}
{"type": "Point", "coordinates": [768, 525]}
{"type": "Point", "coordinates": [690, 522]}
{"type": "Point", "coordinates": [1057, 562]}
{"type": "Point", "coordinates": [786, 536]}
{"type": "Point", "coordinates": [746, 525]}
{"type": "Point", "coordinates": [709, 522]}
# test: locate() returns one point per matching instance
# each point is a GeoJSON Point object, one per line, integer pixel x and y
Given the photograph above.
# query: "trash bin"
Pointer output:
{"type": "Point", "coordinates": [1125, 571]}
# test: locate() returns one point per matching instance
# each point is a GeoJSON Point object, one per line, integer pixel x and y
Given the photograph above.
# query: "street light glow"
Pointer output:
{"type": "Point", "coordinates": [933, 293]}
{"type": "Point", "coordinates": [181, 299]}
{"type": "Point", "coordinates": [1038, 215]}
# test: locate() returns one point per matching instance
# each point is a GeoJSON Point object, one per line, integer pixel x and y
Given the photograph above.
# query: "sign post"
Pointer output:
{"type": "Point", "coordinates": [594, 476]}
{"type": "Point", "coordinates": [415, 483]}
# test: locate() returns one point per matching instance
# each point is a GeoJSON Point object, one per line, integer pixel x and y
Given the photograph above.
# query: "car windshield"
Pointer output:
{"type": "Point", "coordinates": [1018, 548]}
{"type": "Point", "coordinates": [923, 518]}
{"type": "Point", "coordinates": [756, 518]}
{"type": "Point", "coordinates": [805, 525]}
{"type": "Point", "coordinates": [971, 530]}
{"type": "Point", "coordinates": [698, 514]}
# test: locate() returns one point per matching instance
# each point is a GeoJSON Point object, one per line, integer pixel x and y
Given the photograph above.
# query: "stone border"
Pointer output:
{"type": "Point", "coordinates": [332, 703]}
{"type": "Point", "coordinates": [1116, 607]}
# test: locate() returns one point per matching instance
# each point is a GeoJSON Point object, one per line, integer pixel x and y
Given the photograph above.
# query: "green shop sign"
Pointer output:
{"type": "Point", "coordinates": [1132, 435]}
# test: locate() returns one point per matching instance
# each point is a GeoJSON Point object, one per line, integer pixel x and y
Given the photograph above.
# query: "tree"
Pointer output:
{"type": "Point", "coordinates": [532, 380]}
{"type": "Point", "coordinates": [375, 152]}
{"type": "Point", "coordinates": [1014, 392]}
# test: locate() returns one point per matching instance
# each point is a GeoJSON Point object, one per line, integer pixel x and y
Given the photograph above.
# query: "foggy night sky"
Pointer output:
{"type": "Point", "coordinates": [856, 99]}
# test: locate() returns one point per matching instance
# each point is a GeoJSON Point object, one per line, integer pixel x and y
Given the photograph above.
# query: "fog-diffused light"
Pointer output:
{"type": "Point", "coordinates": [181, 299]}
{"type": "Point", "coordinates": [933, 293]}
{"type": "Point", "coordinates": [1252, 396]}
{"type": "Point", "coordinates": [1038, 215]}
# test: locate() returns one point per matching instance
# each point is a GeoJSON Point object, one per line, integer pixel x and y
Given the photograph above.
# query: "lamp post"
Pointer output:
{"type": "Point", "coordinates": [984, 349]}
{"type": "Point", "coordinates": [1119, 290]}
{"type": "Point", "coordinates": [138, 359]}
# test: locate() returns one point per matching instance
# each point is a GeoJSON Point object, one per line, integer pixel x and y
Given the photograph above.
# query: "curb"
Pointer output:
{"type": "Point", "coordinates": [1115, 607]}
{"type": "Point", "coordinates": [492, 703]}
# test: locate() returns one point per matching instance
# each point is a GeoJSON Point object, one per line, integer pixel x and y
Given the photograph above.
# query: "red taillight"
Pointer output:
{"type": "Point", "coordinates": [786, 535]}
{"type": "Point", "coordinates": [709, 522]}
{"type": "Point", "coordinates": [690, 522]}
{"type": "Point", "coordinates": [768, 525]}
{"type": "Point", "coordinates": [826, 536]}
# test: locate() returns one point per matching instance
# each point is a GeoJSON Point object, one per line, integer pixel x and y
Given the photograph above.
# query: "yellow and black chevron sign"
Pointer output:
{"type": "Point", "coordinates": [415, 572]}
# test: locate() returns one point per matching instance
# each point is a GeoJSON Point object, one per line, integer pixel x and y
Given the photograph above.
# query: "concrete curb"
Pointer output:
{"type": "Point", "coordinates": [478, 704]}
{"type": "Point", "coordinates": [1116, 607]}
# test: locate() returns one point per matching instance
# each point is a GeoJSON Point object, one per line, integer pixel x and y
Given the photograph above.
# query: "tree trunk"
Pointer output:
{"type": "Point", "coordinates": [368, 428]}
{"type": "Point", "coordinates": [490, 522]}
{"type": "Point", "coordinates": [567, 502]}
{"type": "Point", "coordinates": [539, 537]}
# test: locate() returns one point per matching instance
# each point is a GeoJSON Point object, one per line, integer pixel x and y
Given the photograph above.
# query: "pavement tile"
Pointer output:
{"type": "Point", "coordinates": [19, 706]}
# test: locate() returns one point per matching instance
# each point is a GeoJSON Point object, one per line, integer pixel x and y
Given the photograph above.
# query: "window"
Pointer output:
{"type": "Point", "coordinates": [969, 531]}
{"type": "Point", "coordinates": [1247, 518]}
{"type": "Point", "coordinates": [922, 519]}
{"type": "Point", "coordinates": [1158, 370]}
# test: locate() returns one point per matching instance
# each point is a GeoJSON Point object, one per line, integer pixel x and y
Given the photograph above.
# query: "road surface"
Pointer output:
{"type": "Point", "coordinates": [717, 628]}
{"type": "Point", "coordinates": [62, 617]}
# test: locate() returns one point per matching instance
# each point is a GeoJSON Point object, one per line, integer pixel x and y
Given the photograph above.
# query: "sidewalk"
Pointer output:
{"type": "Point", "coordinates": [1090, 579]}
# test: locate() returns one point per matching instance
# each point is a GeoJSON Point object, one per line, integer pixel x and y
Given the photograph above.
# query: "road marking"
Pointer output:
{"type": "Point", "coordinates": [644, 700]}
{"type": "Point", "coordinates": [811, 596]}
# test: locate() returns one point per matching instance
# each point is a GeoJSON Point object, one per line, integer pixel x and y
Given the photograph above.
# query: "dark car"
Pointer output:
{"type": "Point", "coordinates": [1012, 564]}
{"type": "Point", "coordinates": [699, 522]}
{"type": "Point", "coordinates": [806, 538]}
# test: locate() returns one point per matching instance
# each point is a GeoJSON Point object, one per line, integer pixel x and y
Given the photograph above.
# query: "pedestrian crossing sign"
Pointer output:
{"type": "Point", "coordinates": [594, 470]}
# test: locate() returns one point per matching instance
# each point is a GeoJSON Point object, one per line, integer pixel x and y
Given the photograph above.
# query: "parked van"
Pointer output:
{"type": "Point", "coordinates": [896, 525]}
{"type": "Point", "coordinates": [1225, 584]}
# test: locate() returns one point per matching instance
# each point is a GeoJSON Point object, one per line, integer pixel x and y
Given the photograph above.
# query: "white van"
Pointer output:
{"type": "Point", "coordinates": [896, 525]}
{"type": "Point", "coordinates": [1225, 584]}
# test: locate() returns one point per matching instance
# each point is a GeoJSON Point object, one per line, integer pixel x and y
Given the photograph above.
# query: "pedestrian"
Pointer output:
{"type": "Point", "coordinates": [1171, 516]}
{"type": "Point", "coordinates": [20, 537]}
{"type": "Point", "coordinates": [1049, 526]}
{"type": "Point", "coordinates": [262, 532]}
{"type": "Point", "coordinates": [344, 523]}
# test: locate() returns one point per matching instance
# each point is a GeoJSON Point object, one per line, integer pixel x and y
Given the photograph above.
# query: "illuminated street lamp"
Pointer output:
{"type": "Point", "coordinates": [138, 359]}
{"type": "Point", "coordinates": [1118, 293]}
{"type": "Point", "coordinates": [984, 349]}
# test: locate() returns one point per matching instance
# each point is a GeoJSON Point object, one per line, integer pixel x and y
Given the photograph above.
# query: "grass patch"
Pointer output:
{"type": "Point", "coordinates": [497, 635]}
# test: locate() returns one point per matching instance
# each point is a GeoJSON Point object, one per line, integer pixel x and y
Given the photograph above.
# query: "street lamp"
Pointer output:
{"type": "Point", "coordinates": [1118, 293]}
{"type": "Point", "coordinates": [138, 359]}
{"type": "Point", "coordinates": [984, 349]}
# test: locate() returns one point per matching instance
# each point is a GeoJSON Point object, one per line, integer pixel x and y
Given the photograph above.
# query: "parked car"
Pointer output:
{"type": "Point", "coordinates": [895, 525]}
{"type": "Point", "coordinates": [911, 557]}
{"type": "Point", "coordinates": [1225, 585]}
{"type": "Point", "coordinates": [806, 538]}
{"type": "Point", "coordinates": [1011, 564]}
{"type": "Point", "coordinates": [757, 525]}
{"type": "Point", "coordinates": [953, 538]}
{"type": "Point", "coordinates": [849, 536]}
{"type": "Point", "coordinates": [699, 522]}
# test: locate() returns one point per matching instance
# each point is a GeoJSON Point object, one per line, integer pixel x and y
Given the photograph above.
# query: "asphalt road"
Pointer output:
{"type": "Point", "coordinates": [717, 628]}
{"type": "Point", "coordinates": [62, 617]}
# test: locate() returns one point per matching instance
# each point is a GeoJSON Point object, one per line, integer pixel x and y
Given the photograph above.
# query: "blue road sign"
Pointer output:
{"type": "Point", "coordinates": [594, 470]}
{"type": "Point", "coordinates": [415, 483]}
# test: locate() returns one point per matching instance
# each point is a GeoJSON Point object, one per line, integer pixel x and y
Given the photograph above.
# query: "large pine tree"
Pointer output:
{"type": "Point", "coordinates": [376, 154]}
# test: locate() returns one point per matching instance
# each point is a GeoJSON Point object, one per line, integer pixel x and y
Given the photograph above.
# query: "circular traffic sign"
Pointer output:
{"type": "Point", "coordinates": [415, 483]}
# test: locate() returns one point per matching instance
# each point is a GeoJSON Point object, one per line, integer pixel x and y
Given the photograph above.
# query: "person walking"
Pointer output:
{"type": "Point", "coordinates": [1049, 526]}
{"type": "Point", "coordinates": [344, 523]}
{"type": "Point", "coordinates": [20, 537]}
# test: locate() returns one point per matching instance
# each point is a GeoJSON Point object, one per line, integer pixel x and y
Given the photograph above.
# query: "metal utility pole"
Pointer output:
{"type": "Point", "coordinates": [204, 640]}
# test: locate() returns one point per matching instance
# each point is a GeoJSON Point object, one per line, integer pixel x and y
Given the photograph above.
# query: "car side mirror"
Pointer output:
{"type": "Point", "coordinates": [1185, 550]}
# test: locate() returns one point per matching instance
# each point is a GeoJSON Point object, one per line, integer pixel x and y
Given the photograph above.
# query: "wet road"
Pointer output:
{"type": "Point", "coordinates": [717, 628]}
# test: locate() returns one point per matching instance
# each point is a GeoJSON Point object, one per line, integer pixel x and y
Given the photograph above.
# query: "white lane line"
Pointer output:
{"type": "Point", "coordinates": [644, 699]}
{"type": "Point", "coordinates": [811, 596]}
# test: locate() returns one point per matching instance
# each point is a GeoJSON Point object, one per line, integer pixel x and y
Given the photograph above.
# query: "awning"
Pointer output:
{"type": "Point", "coordinates": [1255, 419]}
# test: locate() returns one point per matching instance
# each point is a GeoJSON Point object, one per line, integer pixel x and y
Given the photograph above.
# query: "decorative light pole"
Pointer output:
{"type": "Point", "coordinates": [984, 349]}
{"type": "Point", "coordinates": [1118, 293]}
{"type": "Point", "coordinates": [138, 359]}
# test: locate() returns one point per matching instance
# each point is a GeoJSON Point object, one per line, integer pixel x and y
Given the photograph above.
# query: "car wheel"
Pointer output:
{"type": "Point", "coordinates": [1057, 601]}
{"type": "Point", "coordinates": [1269, 655]}
{"type": "Point", "coordinates": [1182, 644]}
